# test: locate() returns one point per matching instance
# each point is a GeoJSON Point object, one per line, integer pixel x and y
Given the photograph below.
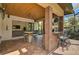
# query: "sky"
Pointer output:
{"type": "Point", "coordinates": [75, 7]}
{"type": "Point", "coordinates": [76, 10]}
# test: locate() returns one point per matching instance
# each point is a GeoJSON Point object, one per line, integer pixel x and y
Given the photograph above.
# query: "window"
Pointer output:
{"type": "Point", "coordinates": [16, 26]}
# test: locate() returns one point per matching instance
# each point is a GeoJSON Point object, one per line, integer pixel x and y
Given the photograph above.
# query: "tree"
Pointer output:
{"type": "Point", "coordinates": [72, 22]}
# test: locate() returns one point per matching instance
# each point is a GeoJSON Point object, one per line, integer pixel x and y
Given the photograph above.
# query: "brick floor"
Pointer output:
{"type": "Point", "coordinates": [20, 47]}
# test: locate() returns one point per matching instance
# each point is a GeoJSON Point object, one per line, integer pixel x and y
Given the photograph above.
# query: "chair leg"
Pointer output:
{"type": "Point", "coordinates": [62, 49]}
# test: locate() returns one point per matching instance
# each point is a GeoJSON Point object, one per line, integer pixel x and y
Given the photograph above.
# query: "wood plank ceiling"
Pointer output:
{"type": "Point", "coordinates": [29, 10]}
{"type": "Point", "coordinates": [25, 10]}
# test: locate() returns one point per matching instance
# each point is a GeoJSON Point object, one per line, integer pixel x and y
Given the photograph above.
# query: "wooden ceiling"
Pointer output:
{"type": "Point", "coordinates": [29, 10]}
{"type": "Point", "coordinates": [25, 10]}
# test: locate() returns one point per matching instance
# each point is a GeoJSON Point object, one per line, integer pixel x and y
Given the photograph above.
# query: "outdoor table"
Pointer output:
{"type": "Point", "coordinates": [30, 34]}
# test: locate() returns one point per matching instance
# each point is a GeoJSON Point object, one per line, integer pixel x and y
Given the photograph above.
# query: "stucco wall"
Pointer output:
{"type": "Point", "coordinates": [6, 26]}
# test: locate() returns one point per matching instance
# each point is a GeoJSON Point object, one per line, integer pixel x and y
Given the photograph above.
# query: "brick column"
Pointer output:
{"type": "Point", "coordinates": [61, 25]}
{"type": "Point", "coordinates": [49, 37]}
{"type": "Point", "coordinates": [48, 26]}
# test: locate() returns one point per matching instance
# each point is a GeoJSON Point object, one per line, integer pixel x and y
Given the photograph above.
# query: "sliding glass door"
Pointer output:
{"type": "Point", "coordinates": [38, 27]}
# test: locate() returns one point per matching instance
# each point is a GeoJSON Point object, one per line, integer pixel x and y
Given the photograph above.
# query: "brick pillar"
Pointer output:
{"type": "Point", "coordinates": [61, 25]}
{"type": "Point", "coordinates": [48, 26]}
{"type": "Point", "coordinates": [49, 38]}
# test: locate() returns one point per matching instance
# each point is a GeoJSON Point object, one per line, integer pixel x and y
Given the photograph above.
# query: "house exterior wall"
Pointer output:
{"type": "Point", "coordinates": [6, 26]}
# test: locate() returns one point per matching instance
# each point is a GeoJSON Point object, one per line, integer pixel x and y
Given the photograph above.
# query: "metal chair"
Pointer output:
{"type": "Point", "coordinates": [64, 42]}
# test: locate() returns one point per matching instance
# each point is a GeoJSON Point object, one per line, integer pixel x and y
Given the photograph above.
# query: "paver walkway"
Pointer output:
{"type": "Point", "coordinates": [73, 49]}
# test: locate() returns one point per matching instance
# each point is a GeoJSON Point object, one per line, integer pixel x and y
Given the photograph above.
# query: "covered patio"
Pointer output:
{"type": "Point", "coordinates": [42, 38]}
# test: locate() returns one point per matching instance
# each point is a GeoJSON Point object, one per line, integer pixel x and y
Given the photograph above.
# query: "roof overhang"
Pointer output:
{"type": "Point", "coordinates": [56, 9]}
{"type": "Point", "coordinates": [67, 7]}
{"type": "Point", "coordinates": [33, 10]}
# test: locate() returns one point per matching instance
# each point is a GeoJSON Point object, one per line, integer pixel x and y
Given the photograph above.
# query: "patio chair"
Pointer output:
{"type": "Point", "coordinates": [64, 42]}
